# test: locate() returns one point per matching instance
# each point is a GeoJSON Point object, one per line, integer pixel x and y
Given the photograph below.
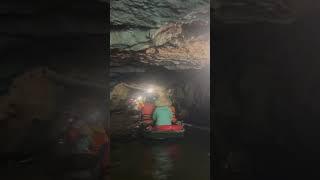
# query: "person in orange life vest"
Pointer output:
{"type": "Point", "coordinates": [101, 147]}
{"type": "Point", "coordinates": [72, 133]}
{"type": "Point", "coordinates": [171, 96]}
{"type": "Point", "coordinates": [147, 110]}
{"type": "Point", "coordinates": [174, 118]}
{"type": "Point", "coordinates": [99, 140]}
{"type": "Point", "coordinates": [139, 103]}
{"type": "Point", "coordinates": [140, 106]}
{"type": "Point", "coordinates": [173, 109]}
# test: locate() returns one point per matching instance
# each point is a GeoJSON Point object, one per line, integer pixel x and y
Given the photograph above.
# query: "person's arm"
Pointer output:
{"type": "Point", "coordinates": [154, 115]}
{"type": "Point", "coordinates": [170, 113]}
{"type": "Point", "coordinates": [174, 115]}
{"type": "Point", "coordinates": [141, 115]}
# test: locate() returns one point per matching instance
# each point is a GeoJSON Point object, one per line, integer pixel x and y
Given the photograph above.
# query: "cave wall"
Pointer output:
{"type": "Point", "coordinates": [196, 96]}
{"type": "Point", "coordinates": [66, 37]}
{"type": "Point", "coordinates": [37, 104]}
{"type": "Point", "coordinates": [248, 11]}
{"type": "Point", "coordinates": [171, 34]}
{"type": "Point", "coordinates": [266, 92]}
{"type": "Point", "coordinates": [192, 89]}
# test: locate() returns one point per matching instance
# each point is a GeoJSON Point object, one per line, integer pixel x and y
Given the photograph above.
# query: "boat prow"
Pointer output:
{"type": "Point", "coordinates": [164, 132]}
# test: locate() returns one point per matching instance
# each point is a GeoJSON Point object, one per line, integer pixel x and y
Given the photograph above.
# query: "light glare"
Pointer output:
{"type": "Point", "coordinates": [150, 90]}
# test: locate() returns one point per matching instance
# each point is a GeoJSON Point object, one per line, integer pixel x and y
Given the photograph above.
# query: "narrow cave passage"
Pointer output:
{"type": "Point", "coordinates": [160, 90]}
{"type": "Point", "coordinates": [168, 158]}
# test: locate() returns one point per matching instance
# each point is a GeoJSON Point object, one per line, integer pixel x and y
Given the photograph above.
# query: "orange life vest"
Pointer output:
{"type": "Point", "coordinates": [147, 111]}
{"type": "Point", "coordinates": [98, 140]}
{"type": "Point", "coordinates": [174, 118]}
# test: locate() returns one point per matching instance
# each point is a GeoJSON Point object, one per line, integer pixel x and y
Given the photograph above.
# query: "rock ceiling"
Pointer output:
{"type": "Point", "coordinates": [176, 33]}
{"type": "Point", "coordinates": [170, 33]}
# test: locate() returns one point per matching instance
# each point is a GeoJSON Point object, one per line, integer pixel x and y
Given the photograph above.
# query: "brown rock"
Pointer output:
{"type": "Point", "coordinates": [33, 94]}
{"type": "Point", "coordinates": [151, 51]}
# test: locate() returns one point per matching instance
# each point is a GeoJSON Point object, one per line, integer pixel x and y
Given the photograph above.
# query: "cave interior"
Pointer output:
{"type": "Point", "coordinates": [264, 61]}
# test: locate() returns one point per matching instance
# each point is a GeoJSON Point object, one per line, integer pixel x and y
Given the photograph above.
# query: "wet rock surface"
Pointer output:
{"type": "Point", "coordinates": [149, 14]}
{"type": "Point", "coordinates": [157, 32]}
{"type": "Point", "coordinates": [35, 102]}
{"type": "Point", "coordinates": [191, 92]}
{"type": "Point", "coordinates": [161, 33]}
{"type": "Point", "coordinates": [31, 96]}
{"type": "Point", "coordinates": [263, 94]}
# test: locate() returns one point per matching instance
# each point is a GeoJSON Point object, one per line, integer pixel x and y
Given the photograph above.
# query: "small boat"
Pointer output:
{"type": "Point", "coordinates": [164, 132]}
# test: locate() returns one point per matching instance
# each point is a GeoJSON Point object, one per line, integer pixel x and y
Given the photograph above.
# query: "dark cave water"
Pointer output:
{"type": "Point", "coordinates": [187, 158]}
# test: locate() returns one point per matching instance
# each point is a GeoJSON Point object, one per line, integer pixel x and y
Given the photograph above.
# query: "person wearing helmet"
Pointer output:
{"type": "Point", "coordinates": [162, 114]}
{"type": "Point", "coordinates": [147, 110]}
{"type": "Point", "coordinates": [172, 101]}
{"type": "Point", "coordinates": [174, 118]}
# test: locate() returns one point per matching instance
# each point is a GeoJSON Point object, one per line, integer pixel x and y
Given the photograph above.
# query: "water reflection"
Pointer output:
{"type": "Point", "coordinates": [164, 156]}
{"type": "Point", "coordinates": [185, 159]}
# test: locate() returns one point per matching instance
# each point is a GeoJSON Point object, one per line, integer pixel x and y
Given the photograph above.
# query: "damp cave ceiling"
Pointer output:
{"type": "Point", "coordinates": [82, 16]}
{"type": "Point", "coordinates": [176, 33]}
{"type": "Point", "coordinates": [171, 33]}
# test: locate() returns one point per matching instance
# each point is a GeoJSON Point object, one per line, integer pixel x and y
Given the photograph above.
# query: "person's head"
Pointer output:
{"type": "Point", "coordinates": [149, 99]}
{"type": "Point", "coordinates": [72, 119]}
{"type": "Point", "coordinates": [170, 91]}
{"type": "Point", "coordinates": [94, 118]}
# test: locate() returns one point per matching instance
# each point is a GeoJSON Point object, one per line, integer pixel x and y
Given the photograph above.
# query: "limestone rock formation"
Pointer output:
{"type": "Point", "coordinates": [151, 14]}
{"type": "Point", "coordinates": [175, 34]}
{"type": "Point", "coordinates": [163, 33]}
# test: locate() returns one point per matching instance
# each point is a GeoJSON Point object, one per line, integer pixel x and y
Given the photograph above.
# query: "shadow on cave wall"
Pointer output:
{"type": "Point", "coordinates": [266, 95]}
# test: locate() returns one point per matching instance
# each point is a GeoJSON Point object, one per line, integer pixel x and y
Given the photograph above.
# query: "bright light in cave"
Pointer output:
{"type": "Point", "coordinates": [150, 90]}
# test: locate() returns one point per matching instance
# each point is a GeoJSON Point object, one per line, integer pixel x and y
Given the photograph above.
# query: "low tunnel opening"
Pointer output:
{"type": "Point", "coordinates": [190, 92]}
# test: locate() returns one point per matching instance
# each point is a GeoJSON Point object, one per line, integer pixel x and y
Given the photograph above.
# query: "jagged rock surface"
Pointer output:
{"type": "Point", "coordinates": [175, 34]}
{"type": "Point", "coordinates": [172, 34]}
{"type": "Point", "coordinates": [194, 55]}
{"type": "Point", "coordinates": [152, 14]}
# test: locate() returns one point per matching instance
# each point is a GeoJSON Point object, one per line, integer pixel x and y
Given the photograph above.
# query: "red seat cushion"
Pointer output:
{"type": "Point", "coordinates": [147, 121]}
{"type": "Point", "coordinates": [167, 128]}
